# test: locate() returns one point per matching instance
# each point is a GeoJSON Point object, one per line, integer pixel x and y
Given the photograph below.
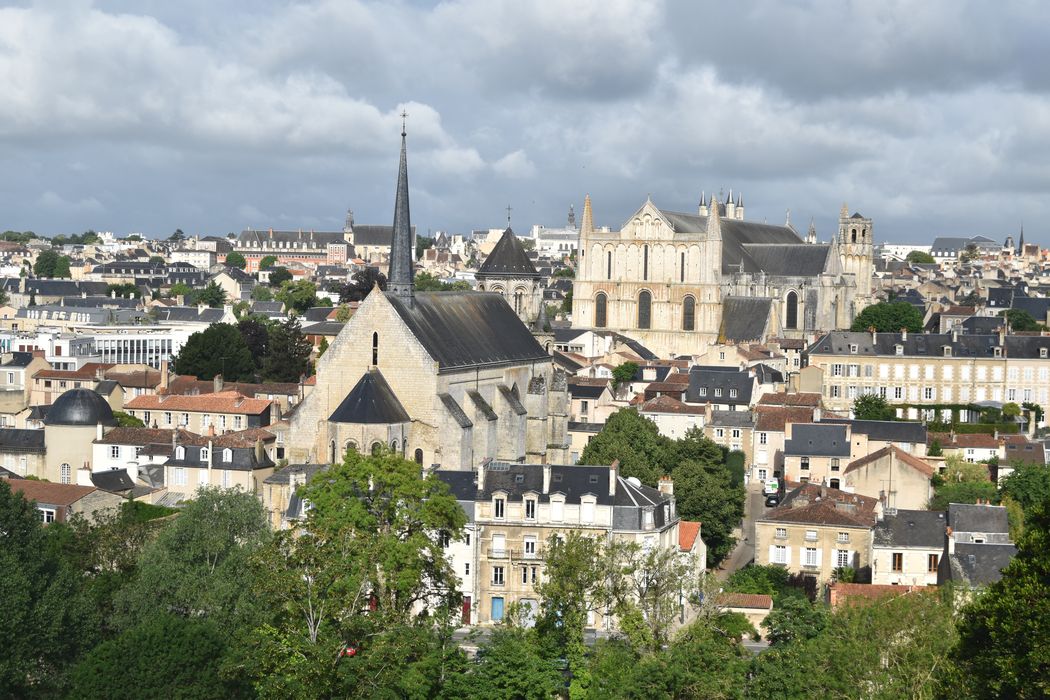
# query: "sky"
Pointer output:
{"type": "Point", "coordinates": [212, 116]}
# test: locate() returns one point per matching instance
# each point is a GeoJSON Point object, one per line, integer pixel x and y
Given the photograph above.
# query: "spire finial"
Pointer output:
{"type": "Point", "coordinates": [404, 119]}
{"type": "Point", "coordinates": [509, 210]}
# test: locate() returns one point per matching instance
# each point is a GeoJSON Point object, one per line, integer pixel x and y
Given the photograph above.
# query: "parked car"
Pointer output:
{"type": "Point", "coordinates": [772, 501]}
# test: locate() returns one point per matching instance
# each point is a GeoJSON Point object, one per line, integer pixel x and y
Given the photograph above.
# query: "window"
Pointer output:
{"type": "Point", "coordinates": [703, 391]}
{"type": "Point", "coordinates": [645, 262]}
{"type": "Point", "coordinates": [681, 271]}
{"type": "Point", "coordinates": [205, 454]}
{"type": "Point", "coordinates": [688, 314]}
{"type": "Point", "coordinates": [779, 554]}
{"type": "Point", "coordinates": [145, 418]}
{"type": "Point", "coordinates": [720, 432]}
{"type": "Point", "coordinates": [762, 438]}
{"type": "Point", "coordinates": [791, 310]}
{"type": "Point", "coordinates": [184, 420]}
{"type": "Point", "coordinates": [811, 558]}
{"type": "Point", "coordinates": [375, 348]}
{"type": "Point", "coordinates": [608, 265]}
{"type": "Point", "coordinates": [530, 547]}
{"type": "Point", "coordinates": [466, 539]}
{"type": "Point", "coordinates": [47, 515]}
{"type": "Point", "coordinates": [836, 370]}
{"type": "Point", "coordinates": [524, 574]}
{"type": "Point", "coordinates": [498, 508]}
{"type": "Point", "coordinates": [898, 349]}
{"type": "Point", "coordinates": [898, 561]}
{"type": "Point", "coordinates": [601, 303]}
{"type": "Point", "coordinates": [65, 474]}
{"type": "Point", "coordinates": [180, 452]}
{"type": "Point", "coordinates": [530, 508]}
{"type": "Point", "coordinates": [222, 422]}
{"type": "Point", "coordinates": [647, 519]}
{"type": "Point", "coordinates": [834, 464]}
{"type": "Point", "coordinates": [444, 539]}
{"type": "Point", "coordinates": [535, 571]}
{"type": "Point", "coordinates": [587, 510]}
{"type": "Point", "coordinates": [238, 422]}
{"type": "Point", "coordinates": [932, 560]}
{"type": "Point", "coordinates": [114, 451]}
{"type": "Point", "coordinates": [781, 532]}
{"type": "Point", "coordinates": [557, 510]}
{"type": "Point", "coordinates": [497, 576]}
{"type": "Point", "coordinates": [927, 393]}
{"type": "Point", "coordinates": [811, 535]}
{"type": "Point", "coordinates": [804, 463]}
{"type": "Point", "coordinates": [843, 558]}
{"type": "Point", "coordinates": [227, 455]}
{"type": "Point", "coordinates": [718, 391]}
{"type": "Point", "coordinates": [466, 569]}
{"type": "Point", "coordinates": [645, 303]}
{"type": "Point", "coordinates": [843, 537]}
{"type": "Point", "coordinates": [419, 457]}
{"type": "Point", "coordinates": [732, 393]}
{"type": "Point", "coordinates": [736, 433]}
{"type": "Point", "coordinates": [179, 476]}
{"type": "Point", "coordinates": [225, 478]}
{"type": "Point", "coordinates": [898, 392]}
{"type": "Point", "coordinates": [167, 418]}
{"type": "Point", "coordinates": [202, 477]}
{"type": "Point", "coordinates": [205, 420]}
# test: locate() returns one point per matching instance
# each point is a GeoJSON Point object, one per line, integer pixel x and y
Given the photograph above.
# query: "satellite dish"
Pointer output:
{"type": "Point", "coordinates": [633, 481]}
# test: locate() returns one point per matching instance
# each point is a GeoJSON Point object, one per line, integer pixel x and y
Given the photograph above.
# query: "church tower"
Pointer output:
{"type": "Point", "coordinates": [856, 252]}
{"type": "Point", "coordinates": [399, 278]}
{"type": "Point", "coordinates": [508, 271]}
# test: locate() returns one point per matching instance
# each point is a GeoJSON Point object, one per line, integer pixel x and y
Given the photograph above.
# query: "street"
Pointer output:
{"type": "Point", "coordinates": [744, 552]}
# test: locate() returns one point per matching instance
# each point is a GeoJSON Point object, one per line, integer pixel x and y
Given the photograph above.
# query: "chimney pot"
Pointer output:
{"type": "Point", "coordinates": [614, 471]}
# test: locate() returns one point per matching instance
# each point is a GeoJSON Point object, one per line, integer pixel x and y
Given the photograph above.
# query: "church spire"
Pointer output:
{"type": "Point", "coordinates": [1020, 243]}
{"type": "Point", "coordinates": [399, 278]}
{"type": "Point", "coordinates": [587, 225]}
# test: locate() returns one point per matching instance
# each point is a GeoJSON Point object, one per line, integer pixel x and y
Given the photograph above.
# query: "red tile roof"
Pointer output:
{"type": "Point", "coordinates": [88, 371]}
{"type": "Point", "coordinates": [774, 418]}
{"type": "Point", "coordinates": [688, 532]}
{"type": "Point", "coordinates": [912, 461]}
{"type": "Point", "coordinates": [668, 404]}
{"type": "Point", "coordinates": [222, 402]}
{"type": "Point", "coordinates": [745, 600]}
{"type": "Point", "coordinates": [49, 493]}
{"type": "Point", "coordinates": [859, 593]}
{"type": "Point", "coordinates": [785, 399]}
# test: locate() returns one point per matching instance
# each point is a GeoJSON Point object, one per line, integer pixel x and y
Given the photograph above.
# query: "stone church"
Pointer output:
{"type": "Point", "coordinates": [447, 379]}
{"type": "Point", "coordinates": [678, 282]}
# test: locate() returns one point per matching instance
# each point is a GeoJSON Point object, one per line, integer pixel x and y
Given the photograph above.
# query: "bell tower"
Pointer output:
{"type": "Point", "coordinates": [856, 251]}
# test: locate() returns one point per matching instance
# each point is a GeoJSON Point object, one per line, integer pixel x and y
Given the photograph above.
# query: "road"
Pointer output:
{"type": "Point", "coordinates": [744, 552]}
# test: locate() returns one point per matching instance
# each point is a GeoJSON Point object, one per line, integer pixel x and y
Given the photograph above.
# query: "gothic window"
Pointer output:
{"type": "Point", "coordinates": [645, 303]}
{"type": "Point", "coordinates": [853, 236]}
{"type": "Point", "coordinates": [377, 448]}
{"type": "Point", "coordinates": [375, 348]}
{"type": "Point", "coordinates": [681, 271]}
{"type": "Point", "coordinates": [393, 446]}
{"type": "Point", "coordinates": [608, 265]}
{"type": "Point", "coordinates": [689, 314]}
{"type": "Point", "coordinates": [331, 452]}
{"type": "Point", "coordinates": [600, 309]}
{"type": "Point", "coordinates": [419, 457]}
{"type": "Point", "coordinates": [645, 262]}
{"type": "Point", "coordinates": [791, 312]}
{"type": "Point", "coordinates": [518, 297]}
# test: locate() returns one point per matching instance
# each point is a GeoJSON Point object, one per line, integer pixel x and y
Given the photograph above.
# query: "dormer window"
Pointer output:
{"type": "Point", "coordinates": [1042, 352]}
{"type": "Point", "coordinates": [947, 350]}
{"type": "Point", "coordinates": [205, 452]}
{"type": "Point", "coordinates": [718, 391]}
{"type": "Point", "coordinates": [180, 452]}
{"type": "Point", "coordinates": [227, 455]}
{"type": "Point", "coordinates": [997, 352]}
{"type": "Point", "coordinates": [732, 393]}
{"type": "Point", "coordinates": [703, 391]}
{"type": "Point", "coordinates": [898, 349]}
{"type": "Point", "coordinates": [853, 348]}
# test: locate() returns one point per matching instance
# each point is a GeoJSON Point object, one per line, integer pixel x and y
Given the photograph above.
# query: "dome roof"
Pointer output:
{"type": "Point", "coordinates": [80, 407]}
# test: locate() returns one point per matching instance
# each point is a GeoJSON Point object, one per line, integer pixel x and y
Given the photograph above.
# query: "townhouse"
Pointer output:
{"type": "Point", "coordinates": [220, 412]}
{"type": "Point", "coordinates": [906, 547]}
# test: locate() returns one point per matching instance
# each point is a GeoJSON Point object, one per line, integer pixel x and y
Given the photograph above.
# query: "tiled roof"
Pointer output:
{"type": "Point", "coordinates": [188, 385]}
{"type": "Point", "coordinates": [88, 371]}
{"type": "Point", "coordinates": [912, 461]}
{"type": "Point", "coordinates": [49, 493]}
{"type": "Point", "coordinates": [667, 404]}
{"type": "Point", "coordinates": [144, 436]}
{"type": "Point", "coordinates": [745, 600]}
{"type": "Point", "coordinates": [818, 505]}
{"type": "Point", "coordinates": [688, 532]}
{"type": "Point", "coordinates": [774, 418]}
{"type": "Point", "coordinates": [840, 593]}
{"type": "Point", "coordinates": [222, 402]}
{"type": "Point", "coordinates": [785, 399]}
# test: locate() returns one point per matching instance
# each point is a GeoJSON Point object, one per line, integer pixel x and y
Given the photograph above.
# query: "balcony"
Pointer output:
{"type": "Point", "coordinates": [516, 554]}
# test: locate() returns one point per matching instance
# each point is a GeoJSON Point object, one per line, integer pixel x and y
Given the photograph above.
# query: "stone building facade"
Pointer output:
{"type": "Point", "coordinates": [678, 282]}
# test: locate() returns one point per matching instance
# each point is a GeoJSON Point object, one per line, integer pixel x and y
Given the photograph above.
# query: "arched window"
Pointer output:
{"type": "Point", "coordinates": [375, 348]}
{"type": "Point", "coordinates": [645, 262]}
{"type": "Point", "coordinates": [419, 457]}
{"type": "Point", "coordinates": [377, 447]}
{"type": "Point", "coordinates": [66, 474]}
{"type": "Point", "coordinates": [645, 304]}
{"type": "Point", "coordinates": [518, 297]}
{"type": "Point", "coordinates": [331, 452]}
{"type": "Point", "coordinates": [227, 455]}
{"type": "Point", "coordinates": [681, 271]}
{"type": "Point", "coordinates": [608, 265]}
{"type": "Point", "coordinates": [688, 314]}
{"type": "Point", "coordinates": [180, 452]}
{"type": "Point", "coordinates": [393, 445]}
{"type": "Point", "coordinates": [350, 445]}
{"type": "Point", "coordinates": [853, 236]}
{"type": "Point", "coordinates": [791, 312]}
{"type": "Point", "coordinates": [601, 303]}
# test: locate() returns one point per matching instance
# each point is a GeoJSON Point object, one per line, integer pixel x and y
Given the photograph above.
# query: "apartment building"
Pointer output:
{"type": "Point", "coordinates": [204, 414]}
{"type": "Point", "coordinates": [912, 370]}
{"type": "Point", "coordinates": [906, 547]}
{"type": "Point", "coordinates": [816, 530]}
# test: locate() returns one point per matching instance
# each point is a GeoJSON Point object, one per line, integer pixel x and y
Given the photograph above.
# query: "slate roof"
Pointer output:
{"type": "Point", "coordinates": [724, 378]}
{"type": "Point", "coordinates": [512, 400]}
{"type": "Point", "coordinates": [371, 235]}
{"type": "Point", "coordinates": [507, 259]}
{"type": "Point", "coordinates": [19, 359]}
{"type": "Point", "coordinates": [929, 345]}
{"type": "Point", "coordinates": [964, 517]}
{"type": "Point", "coordinates": [281, 475]}
{"type": "Point", "coordinates": [980, 564]}
{"type": "Point", "coordinates": [461, 330]}
{"type": "Point", "coordinates": [481, 405]}
{"type": "Point", "coordinates": [911, 528]}
{"type": "Point", "coordinates": [265, 237]}
{"type": "Point", "coordinates": [80, 407]}
{"type": "Point", "coordinates": [744, 318]}
{"type": "Point", "coordinates": [885, 430]}
{"type": "Point", "coordinates": [243, 458]}
{"type": "Point", "coordinates": [732, 419]}
{"type": "Point", "coordinates": [737, 236]}
{"type": "Point", "coordinates": [788, 260]}
{"type": "Point", "coordinates": [1036, 306]}
{"type": "Point", "coordinates": [371, 401]}
{"type": "Point", "coordinates": [455, 410]}
{"type": "Point", "coordinates": [114, 480]}
{"type": "Point", "coordinates": [22, 441]}
{"type": "Point", "coordinates": [586, 391]}
{"type": "Point", "coordinates": [817, 440]}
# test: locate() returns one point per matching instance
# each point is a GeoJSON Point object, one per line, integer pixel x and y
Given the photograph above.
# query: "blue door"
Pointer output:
{"type": "Point", "coordinates": [497, 609]}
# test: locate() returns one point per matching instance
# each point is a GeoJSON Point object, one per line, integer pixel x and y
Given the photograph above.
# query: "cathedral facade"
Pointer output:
{"type": "Point", "coordinates": [447, 379]}
{"type": "Point", "coordinates": [678, 282]}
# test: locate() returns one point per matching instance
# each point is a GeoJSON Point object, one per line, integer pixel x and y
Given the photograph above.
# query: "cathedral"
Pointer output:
{"type": "Point", "coordinates": [448, 379]}
{"type": "Point", "coordinates": [678, 282]}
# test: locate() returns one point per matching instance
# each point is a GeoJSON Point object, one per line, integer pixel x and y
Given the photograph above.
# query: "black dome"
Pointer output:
{"type": "Point", "coordinates": [80, 407]}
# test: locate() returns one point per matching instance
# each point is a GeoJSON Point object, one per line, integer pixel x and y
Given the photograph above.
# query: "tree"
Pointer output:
{"type": "Point", "coordinates": [278, 276]}
{"type": "Point", "coordinates": [768, 580]}
{"type": "Point", "coordinates": [566, 272]}
{"type": "Point", "coordinates": [180, 289]}
{"type": "Point", "coordinates": [256, 335]}
{"type": "Point", "coordinates": [62, 270]}
{"type": "Point", "coordinates": [920, 257]}
{"type": "Point", "coordinates": [185, 660]}
{"type": "Point", "coordinates": [935, 449]}
{"type": "Point", "coordinates": [235, 259]}
{"type": "Point", "coordinates": [889, 317]}
{"type": "Point", "coordinates": [261, 293]}
{"type": "Point", "coordinates": [177, 236]}
{"type": "Point", "coordinates": [218, 349]}
{"type": "Point", "coordinates": [1004, 634]}
{"type": "Point", "coordinates": [134, 238]}
{"type": "Point", "coordinates": [198, 567]}
{"type": "Point", "coordinates": [267, 262]}
{"type": "Point", "coordinates": [127, 290]}
{"type": "Point", "coordinates": [156, 260]}
{"type": "Point", "coordinates": [566, 303]}
{"type": "Point", "coordinates": [1020, 320]}
{"type": "Point", "coordinates": [288, 355]}
{"type": "Point", "coordinates": [362, 282]}
{"type": "Point", "coordinates": [322, 347]}
{"type": "Point", "coordinates": [343, 313]}
{"type": "Point", "coordinates": [426, 282]}
{"type": "Point", "coordinates": [795, 618]}
{"type": "Point", "coordinates": [298, 296]}
{"type": "Point", "coordinates": [125, 420]}
{"type": "Point", "coordinates": [970, 253]}
{"type": "Point", "coordinates": [872, 407]}
{"type": "Point", "coordinates": [963, 492]}
{"type": "Point", "coordinates": [510, 665]}
{"type": "Point", "coordinates": [1028, 485]}
{"type": "Point", "coordinates": [624, 373]}
{"type": "Point", "coordinates": [635, 441]}
{"type": "Point", "coordinates": [706, 493]}
{"type": "Point", "coordinates": [355, 576]}
{"type": "Point", "coordinates": [212, 295]}
{"type": "Point", "coordinates": [46, 262]}
{"type": "Point", "coordinates": [1011, 410]}
{"type": "Point", "coordinates": [422, 243]}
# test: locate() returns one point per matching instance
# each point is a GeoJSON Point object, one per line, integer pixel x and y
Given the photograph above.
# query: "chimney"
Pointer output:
{"type": "Point", "coordinates": [955, 334]}
{"type": "Point", "coordinates": [951, 539]}
{"type": "Point", "coordinates": [113, 294]}
{"type": "Point", "coordinates": [216, 383]}
{"type": "Point", "coordinates": [614, 472]}
{"type": "Point", "coordinates": [259, 450]}
{"type": "Point", "coordinates": [904, 333]}
{"type": "Point", "coordinates": [481, 474]}
{"type": "Point", "coordinates": [546, 478]}
{"type": "Point", "coordinates": [874, 334]}
{"type": "Point", "coordinates": [1002, 334]}
{"type": "Point", "coordinates": [211, 450]}
{"type": "Point", "coordinates": [666, 485]}
{"type": "Point", "coordinates": [164, 369]}
{"type": "Point", "coordinates": [98, 430]}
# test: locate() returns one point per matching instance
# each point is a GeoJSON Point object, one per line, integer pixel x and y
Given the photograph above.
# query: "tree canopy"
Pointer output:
{"type": "Point", "coordinates": [50, 263]}
{"type": "Point", "coordinates": [1021, 321]}
{"type": "Point", "coordinates": [918, 256]}
{"type": "Point", "coordinates": [267, 262]}
{"type": "Point", "coordinates": [872, 407]}
{"type": "Point", "coordinates": [889, 317]}
{"type": "Point", "coordinates": [278, 276]}
{"type": "Point", "coordinates": [298, 296]}
{"type": "Point", "coordinates": [218, 349]}
{"type": "Point", "coordinates": [362, 282]}
{"type": "Point", "coordinates": [212, 295]}
{"type": "Point", "coordinates": [235, 259]}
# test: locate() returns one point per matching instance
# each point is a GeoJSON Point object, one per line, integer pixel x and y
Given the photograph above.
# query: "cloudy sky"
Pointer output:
{"type": "Point", "coordinates": [932, 117]}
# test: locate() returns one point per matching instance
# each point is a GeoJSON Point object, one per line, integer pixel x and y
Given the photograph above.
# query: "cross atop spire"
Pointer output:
{"type": "Point", "coordinates": [404, 119]}
{"type": "Point", "coordinates": [509, 210]}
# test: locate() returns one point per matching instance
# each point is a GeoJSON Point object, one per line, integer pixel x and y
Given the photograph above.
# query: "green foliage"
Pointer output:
{"type": "Point", "coordinates": [795, 619]}
{"type": "Point", "coordinates": [706, 493]}
{"type": "Point", "coordinates": [636, 442]}
{"type": "Point", "coordinates": [1021, 321]}
{"type": "Point", "coordinates": [127, 290]}
{"type": "Point", "coordinates": [423, 243]}
{"type": "Point", "coordinates": [889, 317]}
{"type": "Point", "coordinates": [125, 420]}
{"type": "Point", "coordinates": [566, 304]}
{"type": "Point", "coordinates": [278, 276]}
{"type": "Point", "coordinates": [322, 347]}
{"type": "Point", "coordinates": [183, 660]}
{"type": "Point", "coordinates": [970, 253]}
{"type": "Point", "coordinates": [134, 238]}
{"type": "Point", "coordinates": [566, 272]}
{"type": "Point", "coordinates": [177, 236]}
{"type": "Point", "coordinates": [511, 665]}
{"type": "Point", "coordinates": [50, 264]}
{"type": "Point", "coordinates": [963, 492]}
{"type": "Point", "coordinates": [872, 407]}
{"type": "Point", "coordinates": [219, 349]}
{"type": "Point", "coordinates": [156, 260]}
{"type": "Point", "coordinates": [212, 295]}
{"type": "Point", "coordinates": [180, 289]}
{"type": "Point", "coordinates": [1003, 649]}
{"type": "Point", "coordinates": [768, 580]}
{"type": "Point", "coordinates": [17, 237]}
{"type": "Point", "coordinates": [919, 257]}
{"type": "Point", "coordinates": [426, 282]}
{"type": "Point", "coordinates": [267, 262]}
{"type": "Point", "coordinates": [87, 238]}
{"type": "Point", "coordinates": [343, 313]}
{"type": "Point", "coordinates": [297, 296]}
{"type": "Point", "coordinates": [624, 373]}
{"type": "Point", "coordinates": [241, 308]}
{"type": "Point", "coordinates": [362, 282]}
{"type": "Point", "coordinates": [1036, 409]}
{"type": "Point", "coordinates": [1029, 486]}
{"type": "Point", "coordinates": [935, 449]}
{"type": "Point", "coordinates": [735, 463]}
{"type": "Point", "coordinates": [261, 293]}
{"type": "Point", "coordinates": [844, 574]}
{"type": "Point", "coordinates": [1011, 410]}
{"type": "Point", "coordinates": [288, 355]}
{"type": "Point", "coordinates": [235, 259]}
